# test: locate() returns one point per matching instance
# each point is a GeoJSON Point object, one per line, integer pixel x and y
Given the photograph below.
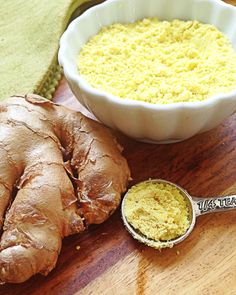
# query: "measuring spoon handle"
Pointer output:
{"type": "Point", "coordinates": [217, 204]}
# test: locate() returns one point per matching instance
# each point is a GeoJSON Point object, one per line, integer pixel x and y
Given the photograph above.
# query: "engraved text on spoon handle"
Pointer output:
{"type": "Point", "coordinates": [209, 205]}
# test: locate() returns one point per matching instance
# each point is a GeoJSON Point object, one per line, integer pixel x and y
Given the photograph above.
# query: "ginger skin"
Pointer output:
{"type": "Point", "coordinates": [66, 171]}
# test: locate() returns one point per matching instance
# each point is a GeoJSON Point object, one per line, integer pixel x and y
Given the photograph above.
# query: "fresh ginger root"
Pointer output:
{"type": "Point", "coordinates": [65, 171]}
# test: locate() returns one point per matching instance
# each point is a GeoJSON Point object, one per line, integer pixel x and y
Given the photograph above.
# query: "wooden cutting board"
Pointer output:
{"type": "Point", "coordinates": [110, 262]}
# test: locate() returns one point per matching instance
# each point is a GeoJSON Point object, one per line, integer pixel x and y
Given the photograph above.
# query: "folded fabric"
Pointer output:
{"type": "Point", "coordinates": [29, 38]}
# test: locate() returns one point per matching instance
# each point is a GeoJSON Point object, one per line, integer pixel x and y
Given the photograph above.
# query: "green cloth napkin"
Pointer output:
{"type": "Point", "coordinates": [29, 38]}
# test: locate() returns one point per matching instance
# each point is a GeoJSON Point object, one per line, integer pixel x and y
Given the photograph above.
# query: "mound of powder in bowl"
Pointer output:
{"type": "Point", "coordinates": [160, 62]}
{"type": "Point", "coordinates": [159, 211]}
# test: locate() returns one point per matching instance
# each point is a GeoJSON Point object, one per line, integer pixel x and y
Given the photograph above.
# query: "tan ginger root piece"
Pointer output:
{"type": "Point", "coordinates": [66, 171]}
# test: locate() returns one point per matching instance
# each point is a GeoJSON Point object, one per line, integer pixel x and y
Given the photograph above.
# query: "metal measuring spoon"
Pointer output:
{"type": "Point", "coordinates": [197, 207]}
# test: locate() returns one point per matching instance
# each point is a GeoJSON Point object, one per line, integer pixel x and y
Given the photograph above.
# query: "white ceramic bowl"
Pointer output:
{"type": "Point", "coordinates": [141, 120]}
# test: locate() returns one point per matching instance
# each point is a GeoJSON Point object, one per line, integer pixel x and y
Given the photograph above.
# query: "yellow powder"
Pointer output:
{"type": "Point", "coordinates": [159, 211]}
{"type": "Point", "coordinates": [159, 62]}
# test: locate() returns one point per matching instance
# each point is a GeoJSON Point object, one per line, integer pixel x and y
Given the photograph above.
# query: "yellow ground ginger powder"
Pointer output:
{"type": "Point", "coordinates": [159, 61]}
{"type": "Point", "coordinates": [159, 211]}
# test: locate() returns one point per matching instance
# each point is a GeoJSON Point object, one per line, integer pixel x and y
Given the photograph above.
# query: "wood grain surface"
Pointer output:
{"type": "Point", "coordinates": [109, 261]}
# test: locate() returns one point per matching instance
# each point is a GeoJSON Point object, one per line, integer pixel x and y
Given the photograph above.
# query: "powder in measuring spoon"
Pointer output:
{"type": "Point", "coordinates": [157, 210]}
